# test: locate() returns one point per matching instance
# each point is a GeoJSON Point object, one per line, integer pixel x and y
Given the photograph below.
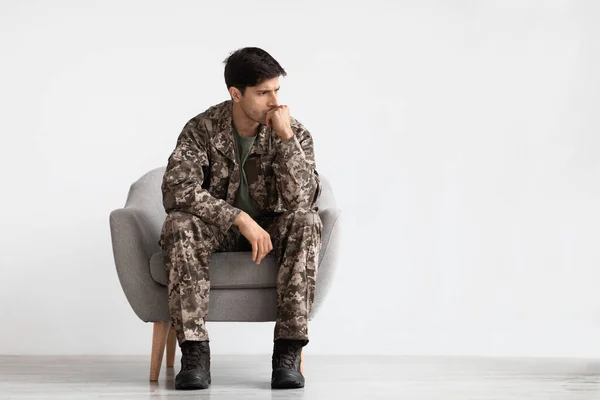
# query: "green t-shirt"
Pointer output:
{"type": "Point", "coordinates": [243, 201]}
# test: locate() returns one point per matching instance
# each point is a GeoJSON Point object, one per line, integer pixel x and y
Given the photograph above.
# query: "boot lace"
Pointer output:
{"type": "Point", "coordinates": [195, 355]}
{"type": "Point", "coordinates": [288, 354]}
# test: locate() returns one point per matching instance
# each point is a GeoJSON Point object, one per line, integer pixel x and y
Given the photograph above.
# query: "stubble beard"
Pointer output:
{"type": "Point", "coordinates": [256, 117]}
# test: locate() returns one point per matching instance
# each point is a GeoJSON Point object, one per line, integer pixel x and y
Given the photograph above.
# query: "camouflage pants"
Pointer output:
{"type": "Point", "coordinates": [188, 244]}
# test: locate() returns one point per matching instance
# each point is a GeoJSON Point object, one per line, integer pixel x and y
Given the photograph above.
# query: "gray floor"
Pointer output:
{"type": "Point", "coordinates": [328, 377]}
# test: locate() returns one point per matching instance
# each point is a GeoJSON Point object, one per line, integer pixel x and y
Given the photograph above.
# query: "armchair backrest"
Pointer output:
{"type": "Point", "coordinates": [145, 194]}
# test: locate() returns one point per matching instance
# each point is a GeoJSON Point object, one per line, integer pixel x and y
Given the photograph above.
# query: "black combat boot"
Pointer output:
{"type": "Point", "coordinates": [286, 364]}
{"type": "Point", "coordinates": [195, 366]}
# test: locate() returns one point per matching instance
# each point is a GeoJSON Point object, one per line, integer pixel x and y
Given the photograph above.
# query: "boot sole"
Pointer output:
{"type": "Point", "coordinates": [191, 380]}
{"type": "Point", "coordinates": [286, 379]}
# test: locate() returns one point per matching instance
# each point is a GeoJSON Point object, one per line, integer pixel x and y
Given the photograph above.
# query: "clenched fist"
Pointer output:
{"type": "Point", "coordinates": [278, 118]}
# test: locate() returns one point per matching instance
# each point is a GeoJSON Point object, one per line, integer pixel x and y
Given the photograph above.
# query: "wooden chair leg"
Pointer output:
{"type": "Point", "coordinates": [302, 361]}
{"type": "Point", "coordinates": [171, 345]}
{"type": "Point", "coordinates": [159, 339]}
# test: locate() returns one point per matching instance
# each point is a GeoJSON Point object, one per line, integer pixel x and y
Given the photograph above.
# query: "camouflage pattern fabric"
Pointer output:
{"type": "Point", "coordinates": [203, 175]}
{"type": "Point", "coordinates": [189, 243]}
{"type": "Point", "coordinates": [199, 188]}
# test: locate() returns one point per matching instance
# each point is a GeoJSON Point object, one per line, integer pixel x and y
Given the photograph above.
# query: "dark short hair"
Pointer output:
{"type": "Point", "coordinates": [250, 66]}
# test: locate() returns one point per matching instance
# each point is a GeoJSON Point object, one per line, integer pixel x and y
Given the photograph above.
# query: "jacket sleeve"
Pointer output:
{"type": "Point", "coordinates": [183, 182]}
{"type": "Point", "coordinates": [295, 170]}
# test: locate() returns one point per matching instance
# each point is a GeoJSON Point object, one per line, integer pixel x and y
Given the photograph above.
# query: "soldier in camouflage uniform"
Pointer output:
{"type": "Point", "coordinates": [242, 177]}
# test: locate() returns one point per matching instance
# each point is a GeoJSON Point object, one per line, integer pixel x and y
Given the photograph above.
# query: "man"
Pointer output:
{"type": "Point", "coordinates": [242, 177]}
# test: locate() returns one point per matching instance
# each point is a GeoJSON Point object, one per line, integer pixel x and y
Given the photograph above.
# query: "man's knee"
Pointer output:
{"type": "Point", "coordinates": [180, 226]}
{"type": "Point", "coordinates": [303, 218]}
{"type": "Point", "coordinates": [178, 220]}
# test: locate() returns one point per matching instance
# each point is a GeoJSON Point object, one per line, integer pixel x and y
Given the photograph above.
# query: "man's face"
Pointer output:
{"type": "Point", "coordinates": [258, 100]}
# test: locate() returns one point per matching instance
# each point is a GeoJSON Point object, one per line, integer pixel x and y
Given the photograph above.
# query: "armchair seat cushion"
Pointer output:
{"type": "Point", "coordinates": [229, 270]}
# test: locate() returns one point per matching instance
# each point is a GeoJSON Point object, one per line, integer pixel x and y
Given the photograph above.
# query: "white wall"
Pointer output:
{"type": "Point", "coordinates": [462, 141]}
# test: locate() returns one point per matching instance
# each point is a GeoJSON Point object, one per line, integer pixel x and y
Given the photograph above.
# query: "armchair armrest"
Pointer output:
{"type": "Point", "coordinates": [328, 256]}
{"type": "Point", "coordinates": [132, 249]}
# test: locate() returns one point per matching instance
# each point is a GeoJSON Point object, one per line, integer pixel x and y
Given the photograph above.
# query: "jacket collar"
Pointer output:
{"type": "Point", "coordinates": [223, 138]}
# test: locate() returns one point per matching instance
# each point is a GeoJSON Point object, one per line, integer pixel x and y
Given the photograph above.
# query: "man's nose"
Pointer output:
{"type": "Point", "coordinates": [273, 101]}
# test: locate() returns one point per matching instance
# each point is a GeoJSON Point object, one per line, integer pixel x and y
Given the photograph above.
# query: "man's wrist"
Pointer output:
{"type": "Point", "coordinates": [240, 219]}
{"type": "Point", "coordinates": [286, 135]}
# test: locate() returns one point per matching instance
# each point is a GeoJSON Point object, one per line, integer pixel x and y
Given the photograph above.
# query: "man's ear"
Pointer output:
{"type": "Point", "coordinates": [235, 94]}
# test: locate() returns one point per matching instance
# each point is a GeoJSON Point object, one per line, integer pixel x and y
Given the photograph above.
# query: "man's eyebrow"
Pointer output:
{"type": "Point", "coordinates": [267, 90]}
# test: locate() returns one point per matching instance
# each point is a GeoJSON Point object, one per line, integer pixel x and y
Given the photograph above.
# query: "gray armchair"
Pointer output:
{"type": "Point", "coordinates": [240, 289]}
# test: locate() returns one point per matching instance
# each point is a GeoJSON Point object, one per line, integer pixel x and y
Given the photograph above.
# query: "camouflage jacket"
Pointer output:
{"type": "Point", "coordinates": [203, 175]}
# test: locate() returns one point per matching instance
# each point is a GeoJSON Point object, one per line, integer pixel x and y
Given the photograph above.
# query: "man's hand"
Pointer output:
{"type": "Point", "coordinates": [279, 119]}
{"type": "Point", "coordinates": [256, 235]}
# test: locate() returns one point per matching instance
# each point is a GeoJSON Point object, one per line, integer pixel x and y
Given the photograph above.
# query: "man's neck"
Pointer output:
{"type": "Point", "coordinates": [244, 125]}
